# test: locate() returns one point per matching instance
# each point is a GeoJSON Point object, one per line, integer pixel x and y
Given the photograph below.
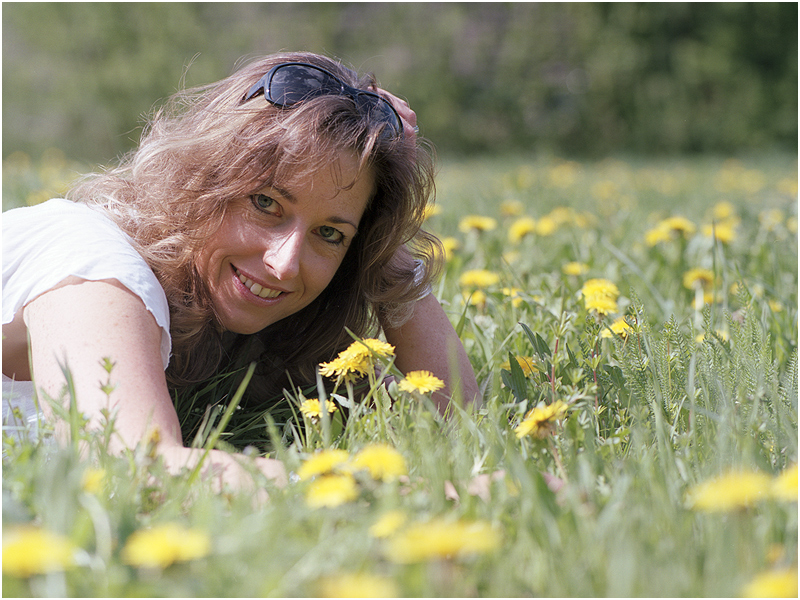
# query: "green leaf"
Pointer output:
{"type": "Point", "coordinates": [539, 345]}
{"type": "Point", "coordinates": [515, 379]}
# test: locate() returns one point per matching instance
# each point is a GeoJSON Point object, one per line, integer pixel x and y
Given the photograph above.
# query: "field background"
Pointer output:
{"type": "Point", "coordinates": [573, 132]}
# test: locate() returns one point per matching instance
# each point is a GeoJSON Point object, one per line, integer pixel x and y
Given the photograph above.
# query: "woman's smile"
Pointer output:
{"type": "Point", "coordinates": [256, 289]}
{"type": "Point", "coordinates": [278, 249]}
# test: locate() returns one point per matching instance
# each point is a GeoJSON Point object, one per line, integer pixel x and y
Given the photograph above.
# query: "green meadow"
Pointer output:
{"type": "Point", "coordinates": [633, 325]}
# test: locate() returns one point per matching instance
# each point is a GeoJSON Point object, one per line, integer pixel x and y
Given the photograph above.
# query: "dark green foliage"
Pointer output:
{"type": "Point", "coordinates": [573, 79]}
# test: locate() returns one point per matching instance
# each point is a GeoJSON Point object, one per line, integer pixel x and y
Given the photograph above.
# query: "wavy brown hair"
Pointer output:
{"type": "Point", "coordinates": [207, 147]}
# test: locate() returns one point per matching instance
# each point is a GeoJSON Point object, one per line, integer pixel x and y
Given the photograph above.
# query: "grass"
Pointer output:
{"type": "Point", "coordinates": [702, 383]}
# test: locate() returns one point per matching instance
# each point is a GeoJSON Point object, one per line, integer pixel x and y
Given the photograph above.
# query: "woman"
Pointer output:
{"type": "Point", "coordinates": [260, 217]}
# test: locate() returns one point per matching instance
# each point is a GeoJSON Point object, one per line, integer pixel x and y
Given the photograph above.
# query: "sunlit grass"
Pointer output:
{"type": "Point", "coordinates": [633, 325]}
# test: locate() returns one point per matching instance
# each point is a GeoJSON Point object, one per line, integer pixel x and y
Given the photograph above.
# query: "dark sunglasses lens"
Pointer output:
{"type": "Point", "coordinates": [380, 110]}
{"type": "Point", "coordinates": [291, 84]}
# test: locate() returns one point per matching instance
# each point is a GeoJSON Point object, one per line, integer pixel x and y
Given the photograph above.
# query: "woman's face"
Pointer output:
{"type": "Point", "coordinates": [277, 250]}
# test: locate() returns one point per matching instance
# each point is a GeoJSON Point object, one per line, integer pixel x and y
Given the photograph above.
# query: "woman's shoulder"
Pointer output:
{"type": "Point", "coordinates": [62, 233]}
{"type": "Point", "coordinates": [47, 243]}
{"type": "Point", "coordinates": [57, 212]}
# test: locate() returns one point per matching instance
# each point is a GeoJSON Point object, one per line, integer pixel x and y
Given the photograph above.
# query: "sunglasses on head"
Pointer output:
{"type": "Point", "coordinates": [288, 84]}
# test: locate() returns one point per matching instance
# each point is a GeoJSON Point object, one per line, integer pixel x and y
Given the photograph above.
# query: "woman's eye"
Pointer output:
{"type": "Point", "coordinates": [263, 202]}
{"type": "Point", "coordinates": [329, 234]}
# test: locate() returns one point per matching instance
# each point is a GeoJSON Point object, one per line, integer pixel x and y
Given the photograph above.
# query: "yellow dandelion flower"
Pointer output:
{"type": "Point", "coordinates": [620, 326]}
{"type": "Point", "coordinates": [602, 305]}
{"type": "Point", "coordinates": [368, 348]}
{"type": "Point", "coordinates": [388, 523]}
{"type": "Point", "coordinates": [583, 220]}
{"type": "Point", "coordinates": [700, 338]}
{"type": "Point", "coordinates": [564, 174]}
{"type": "Point", "coordinates": [600, 287]}
{"type": "Point", "coordinates": [514, 294]}
{"type": "Point", "coordinates": [657, 234]}
{"type": "Point", "coordinates": [383, 462]}
{"type": "Point", "coordinates": [680, 225]}
{"type": "Point", "coordinates": [17, 161]}
{"type": "Point", "coordinates": [511, 208]}
{"type": "Point", "coordinates": [526, 363]}
{"type": "Point", "coordinates": [540, 420]}
{"type": "Point", "coordinates": [775, 306]}
{"type": "Point", "coordinates": [605, 190]}
{"type": "Point", "coordinates": [600, 296]}
{"type": "Point", "coordinates": [668, 229]}
{"type": "Point", "coordinates": [787, 186]}
{"type": "Point", "coordinates": [422, 382]}
{"type": "Point", "coordinates": [784, 486]}
{"type": "Point", "coordinates": [442, 539]}
{"type": "Point", "coordinates": [478, 278]}
{"type": "Point", "coordinates": [753, 181]}
{"type": "Point", "coordinates": [357, 585]}
{"type": "Point", "coordinates": [31, 551]}
{"type": "Point", "coordinates": [724, 231]}
{"type": "Point", "coordinates": [323, 462]}
{"type": "Point", "coordinates": [450, 245]}
{"type": "Point", "coordinates": [92, 480]}
{"type": "Point", "coordinates": [791, 225]}
{"type": "Point", "coordinates": [698, 277]}
{"type": "Point", "coordinates": [432, 210]}
{"type": "Point", "coordinates": [770, 219]}
{"type": "Point", "coordinates": [729, 491]}
{"type": "Point", "coordinates": [476, 223]}
{"type": "Point", "coordinates": [311, 408]}
{"type": "Point", "coordinates": [344, 369]}
{"type": "Point", "coordinates": [476, 298]}
{"type": "Point", "coordinates": [575, 268]}
{"type": "Point", "coordinates": [521, 228]}
{"type": "Point", "coordinates": [723, 210]}
{"type": "Point", "coordinates": [780, 583]}
{"type": "Point", "coordinates": [511, 256]}
{"type": "Point", "coordinates": [357, 360]}
{"type": "Point", "coordinates": [562, 215]}
{"type": "Point", "coordinates": [331, 490]}
{"type": "Point", "coordinates": [165, 544]}
{"type": "Point", "coordinates": [546, 226]}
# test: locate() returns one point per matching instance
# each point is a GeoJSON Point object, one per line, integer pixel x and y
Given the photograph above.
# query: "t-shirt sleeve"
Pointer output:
{"type": "Point", "coordinates": [46, 243]}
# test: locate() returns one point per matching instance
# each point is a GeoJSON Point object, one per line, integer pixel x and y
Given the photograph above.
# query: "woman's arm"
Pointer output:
{"type": "Point", "coordinates": [81, 322]}
{"type": "Point", "coordinates": [427, 341]}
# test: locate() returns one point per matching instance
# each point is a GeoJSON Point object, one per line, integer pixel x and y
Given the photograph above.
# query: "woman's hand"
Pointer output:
{"type": "Point", "coordinates": [408, 116]}
{"type": "Point", "coordinates": [224, 470]}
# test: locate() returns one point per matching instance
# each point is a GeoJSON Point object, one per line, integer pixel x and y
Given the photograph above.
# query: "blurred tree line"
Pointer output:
{"type": "Point", "coordinates": [575, 79]}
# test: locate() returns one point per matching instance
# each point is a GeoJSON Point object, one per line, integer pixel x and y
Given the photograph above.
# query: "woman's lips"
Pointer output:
{"type": "Point", "coordinates": [256, 288]}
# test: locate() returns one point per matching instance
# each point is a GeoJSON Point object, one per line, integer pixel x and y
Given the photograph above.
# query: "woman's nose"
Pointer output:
{"type": "Point", "coordinates": [283, 253]}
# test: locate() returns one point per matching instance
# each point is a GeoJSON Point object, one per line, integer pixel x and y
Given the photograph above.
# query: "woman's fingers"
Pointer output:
{"type": "Point", "coordinates": [409, 117]}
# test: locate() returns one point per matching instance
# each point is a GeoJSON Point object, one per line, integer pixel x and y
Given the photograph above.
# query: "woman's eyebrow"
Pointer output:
{"type": "Point", "coordinates": [285, 193]}
{"type": "Point", "coordinates": [293, 200]}
{"type": "Point", "coordinates": [341, 221]}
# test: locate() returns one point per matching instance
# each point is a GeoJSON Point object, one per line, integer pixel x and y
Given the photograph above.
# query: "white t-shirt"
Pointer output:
{"type": "Point", "coordinates": [46, 243]}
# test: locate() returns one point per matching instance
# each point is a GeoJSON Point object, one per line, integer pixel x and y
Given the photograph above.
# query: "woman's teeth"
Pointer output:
{"type": "Point", "coordinates": [256, 288]}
